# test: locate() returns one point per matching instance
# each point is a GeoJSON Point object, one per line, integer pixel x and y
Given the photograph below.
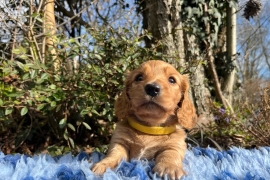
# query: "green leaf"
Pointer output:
{"type": "Point", "coordinates": [39, 19]}
{"type": "Point", "coordinates": [44, 76]}
{"type": "Point", "coordinates": [7, 70]}
{"type": "Point", "coordinates": [57, 77]}
{"type": "Point", "coordinates": [71, 142]}
{"type": "Point", "coordinates": [98, 56]}
{"type": "Point", "coordinates": [53, 104]}
{"type": "Point", "coordinates": [104, 111]}
{"type": "Point", "coordinates": [97, 69]}
{"type": "Point", "coordinates": [63, 123]}
{"type": "Point", "coordinates": [72, 40]}
{"type": "Point", "coordinates": [30, 65]}
{"type": "Point", "coordinates": [113, 81]}
{"type": "Point", "coordinates": [107, 105]}
{"type": "Point", "coordinates": [23, 56]}
{"type": "Point", "coordinates": [71, 127]}
{"type": "Point", "coordinates": [40, 80]}
{"type": "Point", "coordinates": [57, 97]}
{"type": "Point", "coordinates": [24, 110]}
{"type": "Point", "coordinates": [1, 102]}
{"type": "Point", "coordinates": [58, 108]}
{"type": "Point", "coordinates": [34, 14]}
{"type": "Point", "coordinates": [8, 110]}
{"type": "Point", "coordinates": [66, 135]}
{"type": "Point", "coordinates": [17, 102]}
{"type": "Point", "coordinates": [52, 86]}
{"type": "Point", "coordinates": [25, 76]}
{"type": "Point", "coordinates": [30, 102]}
{"type": "Point", "coordinates": [109, 117]}
{"type": "Point", "coordinates": [48, 100]}
{"type": "Point", "coordinates": [17, 51]}
{"type": "Point", "coordinates": [86, 125]}
{"type": "Point", "coordinates": [94, 111]}
{"type": "Point", "coordinates": [33, 73]}
{"type": "Point", "coordinates": [17, 94]}
{"type": "Point", "coordinates": [84, 112]}
{"type": "Point", "coordinates": [21, 65]}
{"type": "Point", "coordinates": [40, 106]}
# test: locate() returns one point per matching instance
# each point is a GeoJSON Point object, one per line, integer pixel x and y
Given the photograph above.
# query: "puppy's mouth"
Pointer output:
{"type": "Point", "coordinates": [152, 105]}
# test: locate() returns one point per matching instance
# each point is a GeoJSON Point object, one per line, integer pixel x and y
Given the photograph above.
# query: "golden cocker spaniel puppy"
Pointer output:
{"type": "Point", "coordinates": [152, 110]}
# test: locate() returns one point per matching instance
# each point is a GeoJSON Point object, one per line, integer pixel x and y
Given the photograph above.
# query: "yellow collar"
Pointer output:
{"type": "Point", "coordinates": [154, 130]}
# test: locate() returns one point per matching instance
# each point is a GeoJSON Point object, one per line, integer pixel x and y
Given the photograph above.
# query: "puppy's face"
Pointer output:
{"type": "Point", "coordinates": [156, 94]}
{"type": "Point", "coordinates": [155, 90]}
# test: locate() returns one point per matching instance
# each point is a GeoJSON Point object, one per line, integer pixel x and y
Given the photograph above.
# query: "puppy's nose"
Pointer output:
{"type": "Point", "coordinates": [152, 90]}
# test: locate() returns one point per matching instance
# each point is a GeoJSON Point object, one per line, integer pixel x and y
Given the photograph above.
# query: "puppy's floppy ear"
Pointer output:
{"type": "Point", "coordinates": [123, 104]}
{"type": "Point", "coordinates": [186, 112]}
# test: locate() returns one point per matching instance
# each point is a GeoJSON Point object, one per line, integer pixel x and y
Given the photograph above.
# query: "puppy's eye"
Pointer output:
{"type": "Point", "coordinates": [139, 78]}
{"type": "Point", "coordinates": [172, 80]}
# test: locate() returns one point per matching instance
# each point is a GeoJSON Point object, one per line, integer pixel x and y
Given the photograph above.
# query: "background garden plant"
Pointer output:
{"type": "Point", "coordinates": [63, 63]}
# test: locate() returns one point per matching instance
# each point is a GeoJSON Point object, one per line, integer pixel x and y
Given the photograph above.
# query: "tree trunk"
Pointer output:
{"type": "Point", "coordinates": [200, 93]}
{"type": "Point", "coordinates": [162, 19]}
{"type": "Point", "coordinates": [231, 52]}
{"type": "Point", "coordinates": [50, 30]}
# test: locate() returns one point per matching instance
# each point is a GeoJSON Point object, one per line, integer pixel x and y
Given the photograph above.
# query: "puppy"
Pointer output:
{"type": "Point", "coordinates": [152, 109]}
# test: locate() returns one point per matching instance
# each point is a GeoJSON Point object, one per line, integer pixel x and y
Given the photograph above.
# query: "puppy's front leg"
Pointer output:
{"type": "Point", "coordinates": [116, 153]}
{"type": "Point", "coordinates": [170, 162]}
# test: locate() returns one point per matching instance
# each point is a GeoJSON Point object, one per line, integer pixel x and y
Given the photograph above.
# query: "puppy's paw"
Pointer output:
{"type": "Point", "coordinates": [174, 172]}
{"type": "Point", "coordinates": [99, 168]}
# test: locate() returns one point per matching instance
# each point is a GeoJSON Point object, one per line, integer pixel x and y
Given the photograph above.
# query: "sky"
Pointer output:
{"type": "Point", "coordinates": [248, 31]}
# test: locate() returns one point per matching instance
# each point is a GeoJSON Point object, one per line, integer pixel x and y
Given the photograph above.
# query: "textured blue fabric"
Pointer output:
{"type": "Point", "coordinates": [199, 164]}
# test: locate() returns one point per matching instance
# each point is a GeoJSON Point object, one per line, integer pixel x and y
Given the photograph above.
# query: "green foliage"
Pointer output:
{"type": "Point", "coordinates": [74, 98]}
{"type": "Point", "coordinates": [200, 15]}
{"type": "Point", "coordinates": [225, 130]}
{"type": "Point", "coordinates": [197, 14]}
{"type": "Point", "coordinates": [55, 150]}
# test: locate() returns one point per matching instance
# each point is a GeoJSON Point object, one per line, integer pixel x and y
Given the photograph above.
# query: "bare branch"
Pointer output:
{"type": "Point", "coordinates": [72, 15]}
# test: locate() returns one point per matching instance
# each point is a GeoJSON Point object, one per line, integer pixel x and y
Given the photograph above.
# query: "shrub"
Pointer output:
{"type": "Point", "coordinates": [255, 118]}
{"type": "Point", "coordinates": [247, 127]}
{"type": "Point", "coordinates": [37, 100]}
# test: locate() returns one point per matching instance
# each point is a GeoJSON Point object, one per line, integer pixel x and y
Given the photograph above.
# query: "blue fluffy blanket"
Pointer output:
{"type": "Point", "coordinates": [199, 163]}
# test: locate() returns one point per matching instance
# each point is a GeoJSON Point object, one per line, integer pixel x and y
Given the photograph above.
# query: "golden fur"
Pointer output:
{"type": "Point", "coordinates": [170, 106]}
